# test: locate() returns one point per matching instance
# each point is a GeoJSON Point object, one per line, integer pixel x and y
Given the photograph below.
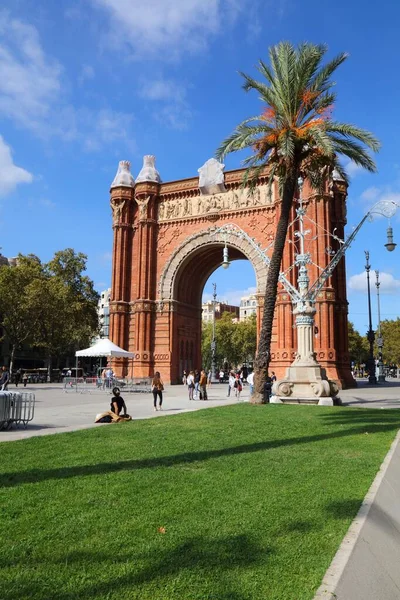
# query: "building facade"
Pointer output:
{"type": "Point", "coordinates": [248, 307]}
{"type": "Point", "coordinates": [207, 310]}
{"type": "Point", "coordinates": [103, 310]}
{"type": "Point", "coordinates": [167, 243]}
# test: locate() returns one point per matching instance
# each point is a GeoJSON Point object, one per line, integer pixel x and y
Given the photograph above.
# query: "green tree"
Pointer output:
{"type": "Point", "coordinates": [67, 304]}
{"type": "Point", "coordinates": [50, 306]}
{"type": "Point", "coordinates": [358, 345]}
{"type": "Point", "coordinates": [244, 340]}
{"type": "Point", "coordinates": [19, 317]}
{"type": "Point", "coordinates": [391, 339]}
{"type": "Point", "coordinates": [236, 342]}
{"type": "Point", "coordinates": [294, 135]}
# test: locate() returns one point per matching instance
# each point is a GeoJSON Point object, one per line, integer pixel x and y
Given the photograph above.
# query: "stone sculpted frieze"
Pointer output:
{"type": "Point", "coordinates": [231, 200]}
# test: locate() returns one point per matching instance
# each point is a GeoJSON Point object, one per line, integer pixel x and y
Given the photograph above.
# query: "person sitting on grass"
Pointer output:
{"type": "Point", "coordinates": [118, 403]}
{"type": "Point", "coordinates": [114, 415]}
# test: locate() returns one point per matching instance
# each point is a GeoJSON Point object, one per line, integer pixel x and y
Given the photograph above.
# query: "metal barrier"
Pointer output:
{"type": "Point", "coordinates": [16, 408]}
{"type": "Point", "coordinates": [86, 385]}
{"type": "Point", "coordinates": [138, 385]}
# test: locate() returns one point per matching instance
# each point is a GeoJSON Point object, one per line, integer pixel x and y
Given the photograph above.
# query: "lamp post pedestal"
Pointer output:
{"type": "Point", "coordinates": [306, 381]}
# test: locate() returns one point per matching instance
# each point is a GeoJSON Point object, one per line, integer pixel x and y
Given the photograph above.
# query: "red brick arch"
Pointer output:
{"type": "Point", "coordinates": [165, 249]}
{"type": "Point", "coordinates": [212, 242]}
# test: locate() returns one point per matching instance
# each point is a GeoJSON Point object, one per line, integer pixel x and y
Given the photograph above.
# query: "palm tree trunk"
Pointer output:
{"type": "Point", "coordinates": [264, 347]}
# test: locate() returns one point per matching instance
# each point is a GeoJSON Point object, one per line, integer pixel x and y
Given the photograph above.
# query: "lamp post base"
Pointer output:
{"type": "Point", "coordinates": [325, 401]}
{"type": "Point", "coordinates": [305, 383]}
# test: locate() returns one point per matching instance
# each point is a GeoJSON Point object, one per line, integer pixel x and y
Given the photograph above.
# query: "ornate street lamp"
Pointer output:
{"type": "Point", "coordinates": [381, 374]}
{"type": "Point", "coordinates": [390, 245]}
{"type": "Point", "coordinates": [371, 332]}
{"type": "Point", "coordinates": [305, 379]}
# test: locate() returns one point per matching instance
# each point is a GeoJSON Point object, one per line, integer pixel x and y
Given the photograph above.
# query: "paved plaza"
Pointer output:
{"type": "Point", "coordinates": [57, 411]}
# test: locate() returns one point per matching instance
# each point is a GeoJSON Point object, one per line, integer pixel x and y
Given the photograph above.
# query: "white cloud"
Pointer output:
{"type": "Point", "coordinates": [389, 285]}
{"type": "Point", "coordinates": [174, 109]}
{"type": "Point", "coordinates": [46, 203]}
{"type": "Point", "coordinates": [169, 28]}
{"type": "Point", "coordinates": [231, 296]}
{"type": "Point", "coordinates": [10, 174]}
{"type": "Point", "coordinates": [104, 127]}
{"type": "Point", "coordinates": [31, 93]}
{"type": "Point", "coordinates": [373, 194]}
{"type": "Point", "coordinates": [352, 169]}
{"type": "Point", "coordinates": [87, 73]}
{"type": "Point", "coordinates": [29, 81]}
{"type": "Point", "coordinates": [370, 194]}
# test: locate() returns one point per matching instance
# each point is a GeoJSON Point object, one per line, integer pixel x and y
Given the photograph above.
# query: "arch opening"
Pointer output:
{"type": "Point", "coordinates": [181, 288]}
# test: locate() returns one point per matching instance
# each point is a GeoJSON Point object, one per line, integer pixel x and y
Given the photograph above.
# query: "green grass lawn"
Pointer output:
{"type": "Point", "coordinates": [254, 500]}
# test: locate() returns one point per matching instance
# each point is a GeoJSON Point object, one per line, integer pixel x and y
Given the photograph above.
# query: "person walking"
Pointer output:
{"type": "Point", "coordinates": [190, 384]}
{"type": "Point", "coordinates": [104, 378]}
{"type": "Point", "coordinates": [196, 385]}
{"type": "Point", "coordinates": [231, 383]}
{"type": "Point", "coordinates": [221, 376]}
{"type": "Point", "coordinates": [250, 381]}
{"type": "Point", "coordinates": [209, 375]}
{"type": "Point", "coordinates": [17, 377]}
{"type": "Point", "coordinates": [157, 387]}
{"type": "Point", "coordinates": [25, 378]}
{"type": "Point", "coordinates": [4, 379]}
{"type": "Point", "coordinates": [238, 386]}
{"type": "Point", "coordinates": [203, 385]}
{"type": "Point", "coordinates": [184, 378]}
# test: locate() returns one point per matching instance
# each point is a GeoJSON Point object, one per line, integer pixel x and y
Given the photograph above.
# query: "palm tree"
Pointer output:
{"type": "Point", "coordinates": [295, 135]}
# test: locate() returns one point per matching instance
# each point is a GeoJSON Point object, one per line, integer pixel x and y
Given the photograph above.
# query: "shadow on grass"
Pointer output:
{"type": "Point", "coordinates": [206, 560]}
{"type": "Point", "coordinates": [383, 422]}
{"type": "Point", "coordinates": [343, 509]}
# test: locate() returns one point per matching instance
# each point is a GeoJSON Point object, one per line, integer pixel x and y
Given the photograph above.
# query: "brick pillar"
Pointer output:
{"type": "Point", "coordinates": [121, 204]}
{"type": "Point", "coordinates": [338, 193]}
{"type": "Point", "coordinates": [143, 285]}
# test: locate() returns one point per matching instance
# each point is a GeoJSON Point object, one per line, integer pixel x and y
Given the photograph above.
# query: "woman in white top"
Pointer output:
{"type": "Point", "coordinates": [190, 384]}
{"type": "Point", "coordinates": [231, 383]}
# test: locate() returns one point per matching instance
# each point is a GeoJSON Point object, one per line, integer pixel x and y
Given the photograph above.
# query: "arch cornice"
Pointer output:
{"type": "Point", "coordinates": [193, 244]}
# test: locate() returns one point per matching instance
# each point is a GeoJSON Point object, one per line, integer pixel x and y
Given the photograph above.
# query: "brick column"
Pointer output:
{"type": "Point", "coordinates": [143, 285]}
{"type": "Point", "coordinates": [121, 204]}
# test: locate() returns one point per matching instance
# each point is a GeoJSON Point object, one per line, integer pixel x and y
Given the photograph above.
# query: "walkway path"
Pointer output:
{"type": "Point", "coordinates": [57, 411]}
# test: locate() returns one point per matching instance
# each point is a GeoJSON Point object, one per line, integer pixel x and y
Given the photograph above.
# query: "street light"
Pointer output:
{"type": "Point", "coordinates": [225, 259]}
{"type": "Point", "coordinates": [371, 332]}
{"type": "Point", "coordinates": [381, 374]}
{"type": "Point", "coordinates": [390, 245]}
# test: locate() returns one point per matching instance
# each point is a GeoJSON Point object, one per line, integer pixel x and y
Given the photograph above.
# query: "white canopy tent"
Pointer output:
{"type": "Point", "coordinates": [104, 347]}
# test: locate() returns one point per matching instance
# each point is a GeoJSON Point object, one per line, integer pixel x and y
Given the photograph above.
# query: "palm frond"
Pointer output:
{"type": "Point", "coordinates": [320, 141]}
{"type": "Point", "coordinates": [351, 131]}
{"type": "Point", "coordinates": [321, 80]}
{"type": "Point", "coordinates": [355, 152]}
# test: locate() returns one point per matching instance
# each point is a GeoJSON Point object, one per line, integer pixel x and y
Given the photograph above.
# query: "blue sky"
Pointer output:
{"type": "Point", "coordinates": [85, 84]}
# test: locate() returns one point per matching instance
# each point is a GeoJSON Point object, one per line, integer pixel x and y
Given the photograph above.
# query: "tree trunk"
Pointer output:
{"type": "Point", "coordinates": [264, 347]}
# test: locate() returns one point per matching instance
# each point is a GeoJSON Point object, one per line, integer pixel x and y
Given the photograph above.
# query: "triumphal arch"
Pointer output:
{"type": "Point", "coordinates": [167, 243]}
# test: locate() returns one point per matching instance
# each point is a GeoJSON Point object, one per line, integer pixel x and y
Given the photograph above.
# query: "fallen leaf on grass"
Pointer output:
{"type": "Point", "coordinates": [161, 530]}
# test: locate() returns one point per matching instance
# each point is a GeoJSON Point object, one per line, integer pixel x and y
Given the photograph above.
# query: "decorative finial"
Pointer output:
{"type": "Point", "coordinates": [336, 176]}
{"type": "Point", "coordinates": [123, 177]}
{"type": "Point", "coordinates": [211, 179]}
{"type": "Point", "coordinates": [149, 171]}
